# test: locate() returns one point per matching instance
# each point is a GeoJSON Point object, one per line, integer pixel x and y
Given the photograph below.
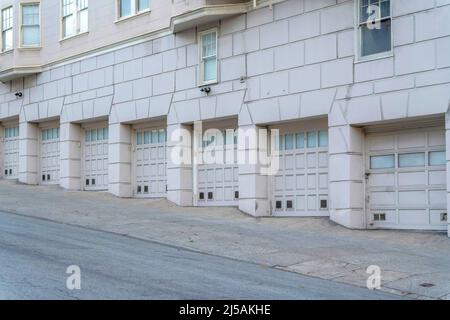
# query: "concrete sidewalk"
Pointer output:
{"type": "Point", "coordinates": [414, 264]}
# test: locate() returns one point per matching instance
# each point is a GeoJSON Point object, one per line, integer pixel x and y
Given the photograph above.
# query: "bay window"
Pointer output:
{"type": "Point", "coordinates": [30, 25]}
{"type": "Point", "coordinates": [7, 28]}
{"type": "Point", "coordinates": [208, 56]}
{"type": "Point", "coordinates": [374, 27]}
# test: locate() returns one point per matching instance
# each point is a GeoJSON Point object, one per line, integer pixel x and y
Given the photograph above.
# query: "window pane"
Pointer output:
{"type": "Point", "coordinates": [105, 133]}
{"type": "Point", "coordinates": [382, 162]}
{"type": "Point", "coordinates": [88, 135]}
{"type": "Point", "coordinates": [16, 131]}
{"type": "Point", "coordinates": [146, 137]}
{"type": "Point", "coordinates": [143, 5]}
{"type": "Point", "coordinates": [411, 160]}
{"type": "Point", "coordinates": [162, 135]}
{"type": "Point", "coordinates": [30, 15]}
{"type": "Point", "coordinates": [31, 36]}
{"type": "Point", "coordinates": [84, 21]}
{"type": "Point", "coordinates": [82, 4]}
{"type": "Point", "coordinates": [44, 135]}
{"type": "Point", "coordinates": [210, 72]}
{"type": "Point", "coordinates": [139, 138]}
{"type": "Point", "coordinates": [376, 40]}
{"type": "Point", "coordinates": [323, 139]}
{"type": "Point", "coordinates": [312, 140]}
{"type": "Point", "coordinates": [289, 142]}
{"type": "Point", "coordinates": [209, 44]}
{"type": "Point", "coordinates": [300, 137]}
{"type": "Point", "coordinates": [99, 134]}
{"type": "Point", "coordinates": [154, 136]}
{"type": "Point", "coordinates": [68, 26]}
{"type": "Point", "coordinates": [125, 8]}
{"type": "Point", "coordinates": [7, 40]}
{"type": "Point", "coordinates": [437, 158]}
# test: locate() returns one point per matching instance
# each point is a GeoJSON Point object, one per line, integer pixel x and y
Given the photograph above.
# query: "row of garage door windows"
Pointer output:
{"type": "Point", "coordinates": [408, 160]}
{"type": "Point", "coordinates": [292, 141]}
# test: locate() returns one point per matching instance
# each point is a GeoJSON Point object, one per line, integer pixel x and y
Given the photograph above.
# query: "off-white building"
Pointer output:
{"type": "Point", "coordinates": [94, 95]}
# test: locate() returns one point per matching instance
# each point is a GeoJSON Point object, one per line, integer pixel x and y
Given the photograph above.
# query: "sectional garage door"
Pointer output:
{"type": "Point", "coordinates": [96, 159]}
{"type": "Point", "coordinates": [11, 153]}
{"type": "Point", "coordinates": [406, 180]}
{"type": "Point", "coordinates": [218, 175]}
{"type": "Point", "coordinates": [150, 163]}
{"type": "Point", "coordinates": [49, 156]}
{"type": "Point", "coordinates": [300, 188]}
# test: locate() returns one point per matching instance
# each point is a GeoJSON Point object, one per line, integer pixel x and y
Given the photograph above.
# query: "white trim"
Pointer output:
{"type": "Point", "coordinates": [134, 10]}
{"type": "Point", "coordinates": [76, 13]}
{"type": "Point", "coordinates": [357, 41]}
{"type": "Point", "coordinates": [21, 45]}
{"type": "Point", "coordinates": [10, 6]}
{"type": "Point", "coordinates": [201, 81]}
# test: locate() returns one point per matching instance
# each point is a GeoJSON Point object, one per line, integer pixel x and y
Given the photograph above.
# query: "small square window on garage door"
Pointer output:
{"type": "Point", "coordinates": [437, 158]}
{"type": "Point", "coordinates": [382, 162]}
{"type": "Point", "coordinates": [411, 160]}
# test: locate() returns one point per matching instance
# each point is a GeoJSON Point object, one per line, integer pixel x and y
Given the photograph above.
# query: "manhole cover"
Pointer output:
{"type": "Point", "coordinates": [427, 285]}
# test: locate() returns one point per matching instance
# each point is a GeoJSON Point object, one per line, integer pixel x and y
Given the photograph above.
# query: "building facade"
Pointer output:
{"type": "Point", "coordinates": [349, 98]}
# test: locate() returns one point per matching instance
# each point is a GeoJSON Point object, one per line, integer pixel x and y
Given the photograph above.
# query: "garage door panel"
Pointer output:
{"type": "Point", "coordinates": [412, 178]}
{"type": "Point", "coordinates": [436, 218]}
{"type": "Point", "coordinates": [382, 179]}
{"type": "Point", "coordinates": [49, 156]}
{"type": "Point", "coordinates": [438, 197]}
{"type": "Point", "coordinates": [302, 189]}
{"type": "Point", "coordinates": [312, 181]}
{"type": "Point", "coordinates": [96, 158]}
{"type": "Point", "coordinates": [412, 198]}
{"type": "Point", "coordinates": [412, 140]}
{"type": "Point", "coordinates": [383, 198]}
{"type": "Point", "coordinates": [323, 181]}
{"type": "Point", "coordinates": [381, 143]}
{"type": "Point", "coordinates": [311, 160]}
{"type": "Point", "coordinates": [414, 217]}
{"type": "Point", "coordinates": [409, 190]}
{"type": "Point", "coordinates": [300, 182]}
{"type": "Point", "coordinates": [150, 180]}
{"type": "Point", "coordinates": [300, 161]}
{"type": "Point", "coordinates": [436, 139]}
{"type": "Point", "coordinates": [323, 160]}
{"type": "Point", "coordinates": [437, 177]}
{"type": "Point", "coordinates": [221, 171]}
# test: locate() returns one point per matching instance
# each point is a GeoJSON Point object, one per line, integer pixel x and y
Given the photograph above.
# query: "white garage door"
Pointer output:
{"type": "Point", "coordinates": [96, 159]}
{"type": "Point", "coordinates": [50, 156]}
{"type": "Point", "coordinates": [218, 178]}
{"type": "Point", "coordinates": [407, 180]}
{"type": "Point", "coordinates": [150, 163]}
{"type": "Point", "coordinates": [11, 153]}
{"type": "Point", "coordinates": [300, 188]}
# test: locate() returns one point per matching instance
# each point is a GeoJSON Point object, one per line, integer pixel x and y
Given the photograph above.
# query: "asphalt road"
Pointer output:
{"type": "Point", "coordinates": [35, 254]}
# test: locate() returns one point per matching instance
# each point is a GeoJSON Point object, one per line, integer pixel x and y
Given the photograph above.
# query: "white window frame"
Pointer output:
{"type": "Point", "coordinates": [358, 38]}
{"type": "Point", "coordinates": [76, 13]}
{"type": "Point", "coordinates": [2, 49]}
{"type": "Point", "coordinates": [21, 45]}
{"type": "Point", "coordinates": [201, 79]}
{"type": "Point", "coordinates": [134, 9]}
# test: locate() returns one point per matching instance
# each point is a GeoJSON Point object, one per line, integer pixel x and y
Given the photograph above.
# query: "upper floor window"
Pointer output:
{"type": "Point", "coordinates": [208, 56]}
{"type": "Point", "coordinates": [374, 27]}
{"type": "Point", "coordinates": [7, 28]}
{"type": "Point", "coordinates": [30, 25]}
{"type": "Point", "coordinates": [131, 7]}
{"type": "Point", "coordinates": [74, 17]}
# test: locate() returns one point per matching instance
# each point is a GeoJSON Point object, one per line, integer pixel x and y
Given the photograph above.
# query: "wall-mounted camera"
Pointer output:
{"type": "Point", "coordinates": [206, 90]}
{"type": "Point", "coordinates": [18, 94]}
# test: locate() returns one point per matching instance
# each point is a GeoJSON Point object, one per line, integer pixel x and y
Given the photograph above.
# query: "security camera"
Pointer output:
{"type": "Point", "coordinates": [206, 90]}
{"type": "Point", "coordinates": [18, 94]}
